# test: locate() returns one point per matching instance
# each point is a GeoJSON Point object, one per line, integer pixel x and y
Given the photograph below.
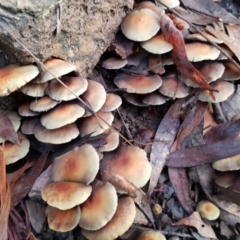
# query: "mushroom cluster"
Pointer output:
{"type": "Point", "coordinates": [145, 69]}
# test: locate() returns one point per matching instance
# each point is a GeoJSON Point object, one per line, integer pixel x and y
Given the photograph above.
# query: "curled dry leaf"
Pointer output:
{"type": "Point", "coordinates": [195, 220]}
{"type": "Point", "coordinates": [7, 131]}
{"type": "Point", "coordinates": [174, 36]}
{"type": "Point", "coordinates": [163, 141]}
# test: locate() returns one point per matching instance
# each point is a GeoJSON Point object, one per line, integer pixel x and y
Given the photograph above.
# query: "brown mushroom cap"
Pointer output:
{"type": "Point", "coordinates": [225, 89]}
{"type": "Point", "coordinates": [95, 126]}
{"type": "Point", "coordinates": [79, 165]}
{"type": "Point", "coordinates": [15, 120]}
{"type": "Point", "coordinates": [58, 67]}
{"type": "Point", "coordinates": [211, 71]}
{"type": "Point", "coordinates": [25, 111]}
{"type": "Point", "coordinates": [56, 136]}
{"type": "Point", "coordinates": [119, 224]}
{"type": "Point", "coordinates": [134, 99]}
{"type": "Point", "coordinates": [28, 125]}
{"type": "Point", "coordinates": [138, 83]}
{"type": "Point", "coordinates": [129, 162]}
{"type": "Point", "coordinates": [42, 104]}
{"type": "Point", "coordinates": [63, 220]}
{"type": "Point", "coordinates": [170, 3]}
{"type": "Point", "coordinates": [201, 51]}
{"type": "Point", "coordinates": [154, 98]}
{"type": "Point", "coordinates": [208, 210]}
{"type": "Point", "coordinates": [231, 71]}
{"type": "Point", "coordinates": [65, 195]}
{"type": "Point", "coordinates": [159, 11]}
{"type": "Point", "coordinates": [12, 152]}
{"type": "Point", "coordinates": [34, 89]}
{"type": "Point", "coordinates": [13, 77]}
{"type": "Point", "coordinates": [228, 164]}
{"type": "Point", "coordinates": [114, 63]}
{"type": "Point", "coordinates": [113, 101]}
{"type": "Point", "coordinates": [140, 25]}
{"type": "Point", "coordinates": [151, 235]}
{"type": "Point", "coordinates": [62, 115]}
{"type": "Point", "coordinates": [58, 92]}
{"type": "Point", "coordinates": [173, 87]}
{"type": "Point", "coordinates": [112, 140]}
{"type": "Point", "coordinates": [157, 45]}
{"type": "Point", "coordinates": [95, 96]}
{"type": "Point", "coordinates": [99, 207]}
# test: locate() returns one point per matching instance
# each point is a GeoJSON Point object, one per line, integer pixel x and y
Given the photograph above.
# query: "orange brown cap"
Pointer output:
{"type": "Point", "coordinates": [63, 220]}
{"type": "Point", "coordinates": [65, 195]}
{"type": "Point", "coordinates": [62, 115]}
{"type": "Point", "coordinates": [58, 92]}
{"type": "Point", "coordinates": [56, 136]}
{"type": "Point", "coordinates": [208, 210]}
{"type": "Point", "coordinates": [130, 162]}
{"type": "Point", "coordinates": [79, 165]}
{"type": "Point", "coordinates": [138, 83]}
{"type": "Point", "coordinates": [13, 77]}
{"type": "Point", "coordinates": [99, 207]}
{"type": "Point", "coordinates": [119, 224]}
{"type": "Point", "coordinates": [140, 25]}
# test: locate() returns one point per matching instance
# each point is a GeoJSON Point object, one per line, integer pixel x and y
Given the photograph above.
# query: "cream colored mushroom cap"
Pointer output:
{"type": "Point", "coordinates": [58, 92]}
{"type": "Point", "coordinates": [13, 77]}
{"type": "Point", "coordinates": [99, 207]}
{"type": "Point", "coordinates": [114, 63]}
{"type": "Point", "coordinates": [225, 89]}
{"type": "Point", "coordinates": [15, 120]}
{"type": "Point", "coordinates": [149, 5]}
{"type": "Point", "coordinates": [112, 140]}
{"type": "Point", "coordinates": [56, 136]}
{"type": "Point", "coordinates": [65, 195]}
{"type": "Point", "coordinates": [113, 101]}
{"type": "Point", "coordinates": [228, 164]}
{"type": "Point", "coordinates": [58, 67]}
{"type": "Point", "coordinates": [157, 45]}
{"type": "Point", "coordinates": [79, 165]}
{"type": "Point", "coordinates": [34, 89]}
{"type": "Point", "coordinates": [12, 152]}
{"type": "Point", "coordinates": [62, 115]}
{"type": "Point", "coordinates": [119, 224]}
{"type": "Point", "coordinates": [63, 220]}
{"type": "Point", "coordinates": [95, 126]}
{"type": "Point", "coordinates": [130, 162]}
{"type": "Point", "coordinates": [25, 111]}
{"type": "Point", "coordinates": [197, 52]}
{"type": "Point", "coordinates": [170, 3]}
{"type": "Point", "coordinates": [208, 210]}
{"type": "Point", "coordinates": [151, 235]}
{"type": "Point", "coordinates": [140, 25]}
{"type": "Point", "coordinates": [42, 104]}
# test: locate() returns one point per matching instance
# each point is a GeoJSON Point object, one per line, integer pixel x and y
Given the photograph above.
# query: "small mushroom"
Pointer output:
{"type": "Point", "coordinates": [12, 152]}
{"type": "Point", "coordinates": [157, 45]}
{"type": "Point", "coordinates": [114, 63]}
{"type": "Point", "coordinates": [138, 83]}
{"type": "Point", "coordinates": [25, 111]}
{"type": "Point", "coordinates": [129, 162]}
{"type": "Point", "coordinates": [34, 89]}
{"type": "Point", "coordinates": [112, 140]}
{"type": "Point", "coordinates": [154, 98]}
{"type": "Point", "coordinates": [65, 195]}
{"type": "Point", "coordinates": [42, 104]}
{"type": "Point", "coordinates": [151, 235]}
{"type": "Point", "coordinates": [79, 165]}
{"type": "Point", "coordinates": [63, 220]}
{"type": "Point", "coordinates": [208, 210]}
{"type": "Point", "coordinates": [58, 67]}
{"type": "Point", "coordinates": [58, 92]}
{"type": "Point", "coordinates": [56, 136]}
{"type": "Point", "coordinates": [140, 25]}
{"type": "Point", "coordinates": [228, 164]}
{"type": "Point", "coordinates": [119, 224]}
{"type": "Point", "coordinates": [62, 115]}
{"type": "Point", "coordinates": [225, 89]}
{"type": "Point", "coordinates": [149, 5]}
{"type": "Point", "coordinates": [99, 207]}
{"type": "Point", "coordinates": [13, 77]}
{"type": "Point", "coordinates": [113, 101]}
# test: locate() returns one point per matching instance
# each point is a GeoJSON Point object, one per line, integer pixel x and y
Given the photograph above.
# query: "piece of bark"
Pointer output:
{"type": "Point", "coordinates": [87, 29]}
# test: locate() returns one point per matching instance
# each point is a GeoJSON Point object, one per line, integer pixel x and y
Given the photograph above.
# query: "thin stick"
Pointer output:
{"type": "Point", "coordinates": [210, 41]}
{"type": "Point", "coordinates": [44, 67]}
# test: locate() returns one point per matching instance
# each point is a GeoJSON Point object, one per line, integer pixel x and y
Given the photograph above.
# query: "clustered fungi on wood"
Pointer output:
{"type": "Point", "coordinates": [145, 70]}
